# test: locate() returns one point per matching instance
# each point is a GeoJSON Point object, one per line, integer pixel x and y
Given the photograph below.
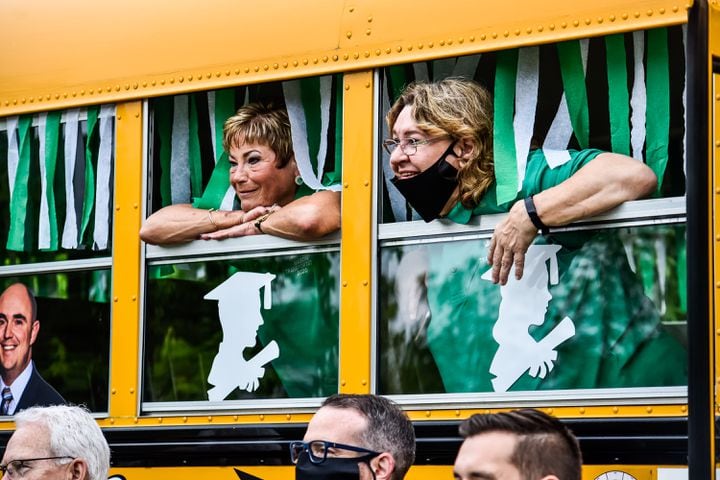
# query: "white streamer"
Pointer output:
{"type": "Point", "coordinates": [180, 152]}
{"type": "Point", "coordinates": [211, 116]}
{"type": "Point", "coordinates": [13, 151]}
{"type": "Point", "coordinates": [526, 98]}
{"type": "Point", "coordinates": [101, 231]}
{"type": "Point", "coordinates": [298, 126]}
{"type": "Point", "coordinates": [466, 66]}
{"type": "Point", "coordinates": [638, 98]}
{"type": "Point", "coordinates": [72, 130]}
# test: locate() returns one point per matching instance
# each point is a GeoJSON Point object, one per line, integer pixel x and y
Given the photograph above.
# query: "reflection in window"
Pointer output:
{"type": "Point", "coordinates": [239, 329]}
{"type": "Point", "coordinates": [606, 310]}
{"type": "Point", "coordinates": [71, 351]}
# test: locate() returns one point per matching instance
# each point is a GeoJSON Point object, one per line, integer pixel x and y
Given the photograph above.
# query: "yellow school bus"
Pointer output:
{"type": "Point", "coordinates": [109, 112]}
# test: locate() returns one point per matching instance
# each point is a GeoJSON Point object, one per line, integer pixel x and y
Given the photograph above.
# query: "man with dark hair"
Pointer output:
{"type": "Point", "coordinates": [518, 445]}
{"type": "Point", "coordinates": [355, 437]}
{"type": "Point", "coordinates": [21, 386]}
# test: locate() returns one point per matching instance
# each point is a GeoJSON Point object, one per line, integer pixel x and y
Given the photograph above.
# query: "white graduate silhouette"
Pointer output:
{"type": "Point", "coordinates": [239, 311]}
{"type": "Point", "coordinates": [524, 303]}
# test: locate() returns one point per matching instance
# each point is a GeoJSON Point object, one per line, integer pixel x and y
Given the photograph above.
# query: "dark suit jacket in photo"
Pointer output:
{"type": "Point", "coordinates": [38, 393]}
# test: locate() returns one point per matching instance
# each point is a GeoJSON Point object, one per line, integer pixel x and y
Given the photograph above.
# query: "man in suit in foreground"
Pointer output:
{"type": "Point", "coordinates": [21, 386]}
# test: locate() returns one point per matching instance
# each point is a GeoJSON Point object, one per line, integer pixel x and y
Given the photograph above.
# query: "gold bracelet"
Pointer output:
{"type": "Point", "coordinates": [260, 220]}
{"type": "Point", "coordinates": [211, 219]}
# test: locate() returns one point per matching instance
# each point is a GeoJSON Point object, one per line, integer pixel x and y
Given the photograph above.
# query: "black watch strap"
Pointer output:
{"type": "Point", "coordinates": [534, 218]}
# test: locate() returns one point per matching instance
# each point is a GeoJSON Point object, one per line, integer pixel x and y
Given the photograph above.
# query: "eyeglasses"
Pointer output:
{"type": "Point", "coordinates": [318, 450]}
{"type": "Point", "coordinates": [18, 468]}
{"type": "Point", "coordinates": [408, 146]}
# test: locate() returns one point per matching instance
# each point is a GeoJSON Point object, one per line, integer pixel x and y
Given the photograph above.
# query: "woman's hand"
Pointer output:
{"type": "Point", "coordinates": [245, 228]}
{"type": "Point", "coordinates": [509, 242]}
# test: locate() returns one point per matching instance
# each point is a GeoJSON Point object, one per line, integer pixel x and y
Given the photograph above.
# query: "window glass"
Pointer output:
{"type": "Point", "coordinates": [248, 328]}
{"type": "Point", "coordinates": [71, 350]}
{"type": "Point", "coordinates": [58, 168]}
{"type": "Point", "coordinates": [607, 309]}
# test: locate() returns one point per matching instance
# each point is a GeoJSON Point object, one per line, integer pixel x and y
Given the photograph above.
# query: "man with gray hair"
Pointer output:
{"type": "Point", "coordinates": [355, 437]}
{"type": "Point", "coordinates": [57, 442]}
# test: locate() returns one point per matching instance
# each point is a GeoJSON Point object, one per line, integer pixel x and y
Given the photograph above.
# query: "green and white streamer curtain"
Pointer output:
{"type": "Point", "coordinates": [192, 166]}
{"type": "Point", "coordinates": [635, 88]}
{"type": "Point", "coordinates": [59, 179]}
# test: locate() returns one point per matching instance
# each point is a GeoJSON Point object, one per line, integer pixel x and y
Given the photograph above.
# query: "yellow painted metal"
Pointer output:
{"type": "Point", "coordinates": [417, 472]}
{"type": "Point", "coordinates": [71, 53]}
{"type": "Point", "coordinates": [356, 241]}
{"type": "Point", "coordinates": [125, 338]}
{"type": "Point", "coordinates": [714, 150]}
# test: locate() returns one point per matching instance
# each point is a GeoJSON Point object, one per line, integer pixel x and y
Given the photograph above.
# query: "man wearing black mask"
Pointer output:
{"type": "Point", "coordinates": [355, 437]}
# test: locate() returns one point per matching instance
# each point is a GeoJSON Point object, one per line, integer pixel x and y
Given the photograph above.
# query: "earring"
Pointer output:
{"type": "Point", "coordinates": [298, 180]}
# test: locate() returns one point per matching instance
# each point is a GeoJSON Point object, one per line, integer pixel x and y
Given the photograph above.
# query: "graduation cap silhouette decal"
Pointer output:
{"type": "Point", "coordinates": [239, 309]}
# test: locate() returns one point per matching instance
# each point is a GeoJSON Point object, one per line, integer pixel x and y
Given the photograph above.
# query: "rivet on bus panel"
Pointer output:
{"type": "Point", "coordinates": [370, 19]}
{"type": "Point", "coordinates": [472, 38]}
{"type": "Point", "coordinates": [612, 18]}
{"type": "Point", "coordinates": [315, 61]}
{"type": "Point", "coordinates": [368, 32]}
{"type": "Point", "coordinates": [717, 332]}
{"type": "Point", "coordinates": [257, 69]}
{"type": "Point", "coordinates": [636, 14]}
{"type": "Point", "coordinates": [112, 421]}
{"type": "Point", "coordinates": [162, 82]}
{"type": "Point", "coordinates": [431, 44]}
{"type": "Point", "coordinates": [262, 417]}
{"type": "Point", "coordinates": [115, 299]}
{"type": "Point", "coordinates": [576, 23]}
{"type": "Point", "coordinates": [588, 21]}
{"type": "Point", "coordinates": [648, 409]}
{"type": "Point", "coordinates": [717, 97]}
{"type": "Point", "coordinates": [428, 413]}
{"type": "Point", "coordinates": [367, 84]}
{"type": "Point", "coordinates": [276, 66]}
{"type": "Point", "coordinates": [347, 87]}
{"type": "Point", "coordinates": [33, 100]}
{"type": "Point", "coordinates": [365, 283]}
{"type": "Point", "coordinates": [345, 284]}
{"type": "Point", "coordinates": [420, 46]}
{"type": "Point", "coordinates": [600, 19]}
{"type": "Point", "coordinates": [517, 32]}
{"type": "Point", "coordinates": [461, 40]}
{"type": "Point", "coordinates": [184, 419]}
{"type": "Point", "coordinates": [160, 420]}
{"type": "Point", "coordinates": [135, 420]}
{"type": "Point", "coordinates": [624, 16]}
{"type": "Point", "coordinates": [675, 8]}
{"type": "Point", "coordinates": [717, 144]}
{"type": "Point", "coordinates": [346, 56]}
{"type": "Point", "coordinates": [506, 34]}
{"type": "Point", "coordinates": [132, 391]}
{"type": "Point", "coordinates": [295, 63]}
{"type": "Point", "coordinates": [209, 418]}
{"type": "Point", "coordinates": [399, 49]}
{"type": "Point", "coordinates": [662, 11]}
{"type": "Point", "coordinates": [683, 408]}
{"type": "Point", "coordinates": [266, 67]}
{"type": "Point", "coordinates": [247, 69]}
{"type": "Point", "coordinates": [483, 37]}
{"type": "Point", "coordinates": [343, 383]}
{"type": "Point", "coordinates": [551, 26]}
{"type": "Point", "coordinates": [529, 30]}
{"type": "Point", "coordinates": [550, 411]}
{"type": "Point", "coordinates": [563, 25]}
{"type": "Point", "coordinates": [649, 13]}
{"type": "Point", "coordinates": [615, 409]}
{"type": "Point", "coordinates": [285, 64]}
{"type": "Point", "coordinates": [113, 391]}
{"type": "Point", "coordinates": [335, 58]}
{"type": "Point", "coordinates": [378, 52]}
{"type": "Point", "coordinates": [363, 383]}
{"type": "Point", "coordinates": [288, 416]}
{"type": "Point", "coordinates": [457, 413]}
{"type": "Point", "coordinates": [356, 55]}
{"type": "Point", "coordinates": [388, 50]}
{"type": "Point", "coordinates": [348, 34]}
{"type": "Point", "coordinates": [127, 87]}
{"type": "Point", "coordinates": [582, 410]}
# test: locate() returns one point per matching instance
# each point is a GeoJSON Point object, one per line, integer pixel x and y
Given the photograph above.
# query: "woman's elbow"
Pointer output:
{"type": "Point", "coordinates": [315, 223]}
{"type": "Point", "coordinates": [645, 182]}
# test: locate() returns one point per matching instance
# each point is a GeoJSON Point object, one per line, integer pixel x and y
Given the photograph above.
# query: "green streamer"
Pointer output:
{"type": "Point", "coordinates": [658, 102]}
{"type": "Point", "coordinates": [52, 135]}
{"type": "Point", "coordinates": [506, 173]}
{"type": "Point", "coordinates": [19, 201]}
{"type": "Point", "coordinates": [573, 77]}
{"type": "Point", "coordinates": [224, 109]}
{"type": "Point", "coordinates": [163, 115]}
{"type": "Point", "coordinates": [618, 96]}
{"type": "Point", "coordinates": [335, 176]}
{"type": "Point", "coordinates": [90, 163]}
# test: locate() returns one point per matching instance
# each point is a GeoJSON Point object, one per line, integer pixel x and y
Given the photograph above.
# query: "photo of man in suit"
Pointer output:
{"type": "Point", "coordinates": [21, 386]}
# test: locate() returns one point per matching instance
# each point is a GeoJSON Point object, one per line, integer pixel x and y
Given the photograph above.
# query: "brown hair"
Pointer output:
{"type": "Point", "coordinates": [388, 427]}
{"type": "Point", "coordinates": [545, 446]}
{"type": "Point", "coordinates": [263, 124]}
{"type": "Point", "coordinates": [463, 110]}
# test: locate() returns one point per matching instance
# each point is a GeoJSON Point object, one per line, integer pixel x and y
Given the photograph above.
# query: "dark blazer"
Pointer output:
{"type": "Point", "coordinates": [38, 393]}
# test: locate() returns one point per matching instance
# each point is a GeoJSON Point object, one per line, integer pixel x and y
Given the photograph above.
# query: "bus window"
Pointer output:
{"type": "Point", "coordinates": [56, 196]}
{"type": "Point", "coordinates": [244, 319]}
{"type": "Point", "coordinates": [598, 307]}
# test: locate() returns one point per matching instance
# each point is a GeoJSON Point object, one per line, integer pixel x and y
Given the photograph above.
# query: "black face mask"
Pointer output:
{"type": "Point", "coordinates": [330, 469]}
{"type": "Point", "coordinates": [429, 191]}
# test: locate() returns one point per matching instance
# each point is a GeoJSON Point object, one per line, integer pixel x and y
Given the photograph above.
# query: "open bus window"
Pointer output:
{"type": "Point", "coordinates": [189, 164]}
{"type": "Point", "coordinates": [605, 310]}
{"type": "Point", "coordinates": [56, 185]}
{"type": "Point", "coordinates": [622, 93]}
{"type": "Point", "coordinates": [234, 329]}
{"type": "Point", "coordinates": [71, 348]}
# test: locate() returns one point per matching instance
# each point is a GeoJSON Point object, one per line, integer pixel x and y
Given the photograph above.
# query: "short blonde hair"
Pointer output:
{"type": "Point", "coordinates": [463, 110]}
{"type": "Point", "coordinates": [260, 123]}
